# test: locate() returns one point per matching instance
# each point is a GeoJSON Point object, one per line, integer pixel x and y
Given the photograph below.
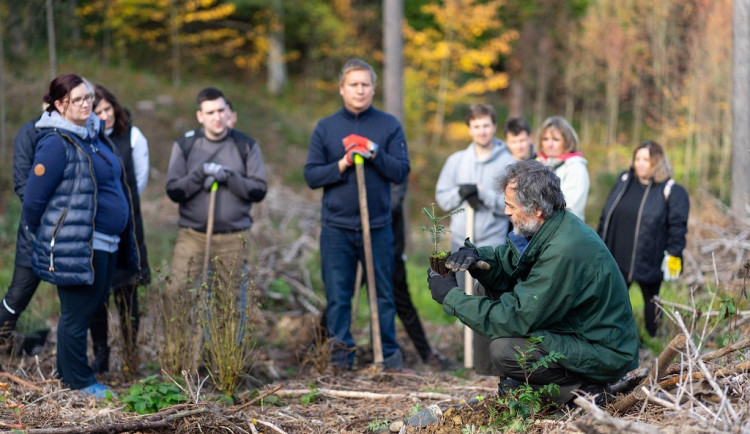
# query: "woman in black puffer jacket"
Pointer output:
{"type": "Point", "coordinates": [644, 223]}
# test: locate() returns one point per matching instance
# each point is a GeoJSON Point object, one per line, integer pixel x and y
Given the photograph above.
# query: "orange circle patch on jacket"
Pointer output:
{"type": "Point", "coordinates": [39, 169]}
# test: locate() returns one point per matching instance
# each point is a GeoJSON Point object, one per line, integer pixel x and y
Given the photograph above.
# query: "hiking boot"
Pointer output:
{"type": "Point", "coordinates": [98, 391]}
{"type": "Point", "coordinates": [439, 361]}
{"type": "Point", "coordinates": [33, 344]}
{"type": "Point", "coordinates": [101, 359]}
{"type": "Point", "coordinates": [394, 362]}
{"type": "Point", "coordinates": [602, 394]}
{"type": "Point", "coordinates": [506, 386]}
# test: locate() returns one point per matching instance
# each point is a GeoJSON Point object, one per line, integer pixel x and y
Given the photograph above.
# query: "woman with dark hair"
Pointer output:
{"type": "Point", "coordinates": [644, 223]}
{"type": "Point", "coordinates": [133, 148]}
{"type": "Point", "coordinates": [77, 207]}
{"type": "Point", "coordinates": [558, 144]}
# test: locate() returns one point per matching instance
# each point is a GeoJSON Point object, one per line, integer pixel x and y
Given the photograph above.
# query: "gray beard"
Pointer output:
{"type": "Point", "coordinates": [526, 230]}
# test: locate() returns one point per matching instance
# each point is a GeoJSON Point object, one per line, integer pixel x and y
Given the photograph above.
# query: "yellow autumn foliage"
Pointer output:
{"type": "Point", "coordinates": [454, 61]}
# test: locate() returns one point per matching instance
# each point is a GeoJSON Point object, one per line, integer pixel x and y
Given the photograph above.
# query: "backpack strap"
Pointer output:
{"type": "Point", "coordinates": [186, 142]}
{"type": "Point", "coordinates": [243, 142]}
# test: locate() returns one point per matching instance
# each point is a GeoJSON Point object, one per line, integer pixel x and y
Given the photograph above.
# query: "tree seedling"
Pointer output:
{"type": "Point", "coordinates": [437, 231]}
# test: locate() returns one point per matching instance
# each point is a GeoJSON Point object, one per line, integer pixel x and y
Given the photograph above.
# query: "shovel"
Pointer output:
{"type": "Point", "coordinates": [209, 228]}
{"type": "Point", "coordinates": [377, 345]}
{"type": "Point", "coordinates": [469, 289]}
{"type": "Point", "coordinates": [206, 260]}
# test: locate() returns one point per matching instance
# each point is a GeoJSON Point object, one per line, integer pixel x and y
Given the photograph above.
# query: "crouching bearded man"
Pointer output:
{"type": "Point", "coordinates": [555, 280]}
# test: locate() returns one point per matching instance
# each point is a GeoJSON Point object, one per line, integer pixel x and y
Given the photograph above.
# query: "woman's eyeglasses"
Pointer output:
{"type": "Point", "coordinates": [78, 101]}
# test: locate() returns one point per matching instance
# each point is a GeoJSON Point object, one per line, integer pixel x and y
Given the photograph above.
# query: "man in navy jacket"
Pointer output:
{"type": "Point", "coordinates": [357, 129]}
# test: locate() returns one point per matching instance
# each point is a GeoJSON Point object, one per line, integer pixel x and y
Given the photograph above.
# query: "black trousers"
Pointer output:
{"type": "Point", "coordinates": [77, 307]}
{"type": "Point", "coordinates": [650, 312]}
{"type": "Point", "coordinates": [126, 300]}
{"type": "Point", "coordinates": [22, 287]}
{"type": "Point", "coordinates": [404, 307]}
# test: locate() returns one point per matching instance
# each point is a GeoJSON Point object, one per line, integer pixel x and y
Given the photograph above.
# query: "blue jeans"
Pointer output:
{"type": "Point", "coordinates": [340, 249]}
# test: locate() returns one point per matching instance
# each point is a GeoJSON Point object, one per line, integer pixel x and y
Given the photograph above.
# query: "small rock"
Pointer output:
{"type": "Point", "coordinates": [425, 416]}
{"type": "Point", "coordinates": [396, 426]}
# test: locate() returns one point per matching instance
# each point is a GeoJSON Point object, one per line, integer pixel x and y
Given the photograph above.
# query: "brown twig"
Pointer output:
{"type": "Point", "coordinates": [676, 346]}
{"type": "Point", "coordinates": [108, 428]}
{"type": "Point", "coordinates": [138, 425]}
{"type": "Point", "coordinates": [723, 372]}
{"type": "Point", "coordinates": [677, 367]}
{"type": "Point", "coordinates": [23, 383]}
{"type": "Point", "coordinates": [366, 395]}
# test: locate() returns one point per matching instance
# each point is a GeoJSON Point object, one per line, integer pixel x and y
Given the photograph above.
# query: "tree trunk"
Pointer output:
{"type": "Point", "coordinates": [393, 47]}
{"type": "Point", "coordinates": [661, 64]}
{"type": "Point", "coordinates": [3, 140]}
{"type": "Point", "coordinates": [637, 112]}
{"type": "Point", "coordinates": [542, 78]}
{"type": "Point", "coordinates": [613, 102]}
{"type": "Point", "coordinates": [277, 76]}
{"type": "Point", "coordinates": [75, 30]}
{"type": "Point", "coordinates": [570, 94]}
{"type": "Point", "coordinates": [741, 109]}
{"type": "Point", "coordinates": [51, 40]}
{"type": "Point", "coordinates": [175, 39]}
{"type": "Point", "coordinates": [515, 98]}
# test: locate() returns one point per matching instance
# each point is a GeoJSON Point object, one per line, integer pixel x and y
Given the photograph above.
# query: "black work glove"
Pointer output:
{"type": "Point", "coordinates": [466, 257]}
{"type": "Point", "coordinates": [440, 286]}
{"type": "Point", "coordinates": [469, 193]}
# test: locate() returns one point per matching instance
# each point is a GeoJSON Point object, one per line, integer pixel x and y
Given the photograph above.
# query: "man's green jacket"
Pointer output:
{"type": "Point", "coordinates": [566, 288]}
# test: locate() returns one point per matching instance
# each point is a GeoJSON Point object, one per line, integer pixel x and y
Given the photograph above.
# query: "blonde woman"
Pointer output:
{"type": "Point", "coordinates": [558, 143]}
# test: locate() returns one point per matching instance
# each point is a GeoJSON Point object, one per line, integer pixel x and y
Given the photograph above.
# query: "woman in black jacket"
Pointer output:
{"type": "Point", "coordinates": [133, 148]}
{"type": "Point", "coordinates": [644, 223]}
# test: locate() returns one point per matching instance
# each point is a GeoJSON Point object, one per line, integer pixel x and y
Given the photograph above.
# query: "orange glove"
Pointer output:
{"type": "Point", "coordinates": [356, 149]}
{"type": "Point", "coordinates": [354, 139]}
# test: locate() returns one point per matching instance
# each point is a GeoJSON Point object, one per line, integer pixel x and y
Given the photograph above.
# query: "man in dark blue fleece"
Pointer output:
{"type": "Point", "coordinates": [357, 129]}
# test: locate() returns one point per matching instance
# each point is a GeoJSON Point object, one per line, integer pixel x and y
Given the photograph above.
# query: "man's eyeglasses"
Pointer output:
{"type": "Point", "coordinates": [78, 101]}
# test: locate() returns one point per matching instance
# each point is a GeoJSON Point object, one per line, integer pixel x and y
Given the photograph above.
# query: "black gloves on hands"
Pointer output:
{"type": "Point", "coordinates": [214, 172]}
{"type": "Point", "coordinates": [469, 193]}
{"type": "Point", "coordinates": [440, 286]}
{"type": "Point", "coordinates": [465, 258]}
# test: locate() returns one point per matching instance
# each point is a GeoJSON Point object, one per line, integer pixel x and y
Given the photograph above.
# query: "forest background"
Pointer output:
{"type": "Point", "coordinates": [621, 72]}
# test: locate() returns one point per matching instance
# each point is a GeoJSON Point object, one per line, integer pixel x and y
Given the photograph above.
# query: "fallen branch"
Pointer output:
{"type": "Point", "coordinates": [629, 381]}
{"type": "Point", "coordinates": [695, 312]}
{"type": "Point", "coordinates": [138, 425]}
{"type": "Point", "coordinates": [677, 367]}
{"type": "Point", "coordinates": [23, 383]}
{"type": "Point", "coordinates": [269, 425]}
{"type": "Point", "coordinates": [676, 346]}
{"type": "Point", "coordinates": [366, 395]}
{"type": "Point", "coordinates": [108, 428]}
{"type": "Point", "coordinates": [723, 372]}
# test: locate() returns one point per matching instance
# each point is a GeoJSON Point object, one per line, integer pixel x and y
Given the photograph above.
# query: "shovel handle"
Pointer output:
{"type": "Point", "coordinates": [209, 228]}
{"type": "Point", "coordinates": [377, 343]}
